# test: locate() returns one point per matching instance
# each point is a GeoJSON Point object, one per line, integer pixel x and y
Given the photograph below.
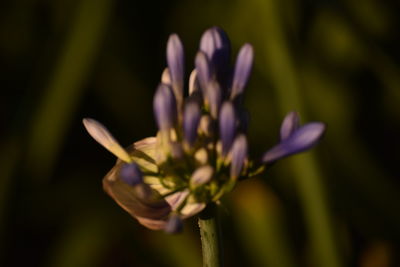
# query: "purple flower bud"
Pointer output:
{"type": "Point", "coordinates": [289, 125]}
{"type": "Point", "coordinates": [203, 70]}
{"type": "Point", "coordinates": [202, 175]}
{"type": "Point", "coordinates": [191, 119]}
{"type": "Point", "coordinates": [174, 225]}
{"type": "Point", "coordinates": [164, 105]}
{"type": "Point", "coordinates": [300, 140]}
{"type": "Point", "coordinates": [215, 44]}
{"type": "Point", "coordinates": [131, 174]}
{"type": "Point", "coordinates": [213, 95]}
{"type": "Point", "coordinates": [238, 155]}
{"type": "Point", "coordinates": [175, 60]}
{"type": "Point", "coordinates": [243, 67]}
{"type": "Point", "coordinates": [227, 126]}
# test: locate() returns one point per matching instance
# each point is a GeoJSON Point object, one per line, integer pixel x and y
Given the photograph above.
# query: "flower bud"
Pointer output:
{"type": "Point", "coordinates": [227, 126]}
{"type": "Point", "coordinates": [203, 71]}
{"type": "Point", "coordinates": [300, 140]}
{"type": "Point", "coordinates": [174, 224]}
{"type": "Point", "coordinates": [131, 174]}
{"type": "Point", "coordinates": [242, 72]}
{"type": "Point", "coordinates": [164, 105]}
{"type": "Point", "coordinates": [215, 44]}
{"type": "Point", "coordinates": [175, 60]}
{"type": "Point", "coordinates": [238, 155]}
{"type": "Point", "coordinates": [191, 119]}
{"type": "Point", "coordinates": [213, 96]}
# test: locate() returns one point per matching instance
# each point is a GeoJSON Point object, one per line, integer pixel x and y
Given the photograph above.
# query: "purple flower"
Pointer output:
{"type": "Point", "coordinates": [294, 138]}
{"type": "Point", "coordinates": [200, 150]}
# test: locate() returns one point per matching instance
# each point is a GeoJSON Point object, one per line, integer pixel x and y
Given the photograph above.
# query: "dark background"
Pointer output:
{"type": "Point", "coordinates": [333, 61]}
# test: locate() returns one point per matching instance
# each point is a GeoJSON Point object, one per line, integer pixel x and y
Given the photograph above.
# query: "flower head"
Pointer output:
{"type": "Point", "coordinates": [200, 150]}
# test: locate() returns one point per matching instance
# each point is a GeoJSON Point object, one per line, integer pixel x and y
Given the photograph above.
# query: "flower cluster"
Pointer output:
{"type": "Point", "coordinates": [200, 150]}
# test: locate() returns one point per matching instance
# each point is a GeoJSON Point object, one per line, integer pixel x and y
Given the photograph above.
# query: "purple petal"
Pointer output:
{"type": "Point", "coordinates": [238, 154]}
{"type": "Point", "coordinates": [227, 126]}
{"type": "Point", "coordinates": [300, 140]}
{"type": "Point", "coordinates": [215, 44]}
{"type": "Point", "coordinates": [203, 70]}
{"type": "Point", "coordinates": [131, 174]}
{"type": "Point", "coordinates": [191, 119]}
{"type": "Point", "coordinates": [243, 68]}
{"type": "Point", "coordinates": [164, 105]}
{"type": "Point", "coordinates": [175, 61]}
{"type": "Point", "coordinates": [174, 225]}
{"type": "Point", "coordinates": [289, 125]}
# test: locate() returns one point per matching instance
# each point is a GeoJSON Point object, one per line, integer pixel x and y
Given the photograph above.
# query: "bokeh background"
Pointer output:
{"type": "Point", "coordinates": [335, 61]}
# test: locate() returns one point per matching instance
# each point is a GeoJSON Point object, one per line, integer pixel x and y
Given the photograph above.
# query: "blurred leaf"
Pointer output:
{"type": "Point", "coordinates": [66, 84]}
{"type": "Point", "coordinates": [261, 225]}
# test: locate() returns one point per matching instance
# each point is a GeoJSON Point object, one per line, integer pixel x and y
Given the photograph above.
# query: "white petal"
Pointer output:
{"type": "Point", "coordinates": [193, 82]}
{"type": "Point", "coordinates": [192, 209]}
{"type": "Point", "coordinates": [104, 138]}
{"type": "Point", "coordinates": [175, 200]}
{"type": "Point", "coordinates": [202, 175]}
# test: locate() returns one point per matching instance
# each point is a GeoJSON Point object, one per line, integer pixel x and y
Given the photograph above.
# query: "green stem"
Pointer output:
{"type": "Point", "coordinates": [210, 237]}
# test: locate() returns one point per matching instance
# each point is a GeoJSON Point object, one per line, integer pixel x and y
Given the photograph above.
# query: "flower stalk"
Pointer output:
{"type": "Point", "coordinates": [210, 233]}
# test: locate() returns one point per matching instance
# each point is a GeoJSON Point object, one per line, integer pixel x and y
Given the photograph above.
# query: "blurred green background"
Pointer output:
{"type": "Point", "coordinates": [333, 61]}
